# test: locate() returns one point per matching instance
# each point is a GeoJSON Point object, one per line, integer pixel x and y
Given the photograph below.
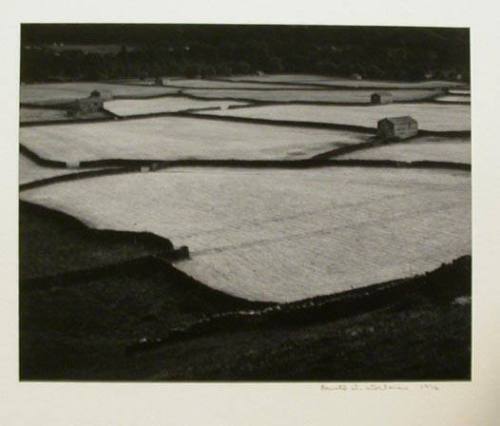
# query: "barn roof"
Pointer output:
{"type": "Point", "coordinates": [399, 120]}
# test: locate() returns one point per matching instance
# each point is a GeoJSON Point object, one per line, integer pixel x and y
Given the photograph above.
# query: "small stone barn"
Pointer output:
{"type": "Point", "coordinates": [93, 103]}
{"type": "Point", "coordinates": [397, 128]}
{"type": "Point", "coordinates": [380, 98]}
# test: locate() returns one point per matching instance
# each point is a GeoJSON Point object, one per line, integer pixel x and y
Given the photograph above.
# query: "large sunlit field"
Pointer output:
{"type": "Point", "coordinates": [465, 92]}
{"type": "Point", "coordinates": [48, 93]}
{"type": "Point", "coordinates": [430, 116]}
{"type": "Point", "coordinates": [41, 114]}
{"type": "Point", "coordinates": [314, 95]}
{"type": "Point", "coordinates": [455, 150]}
{"type": "Point", "coordinates": [226, 84]}
{"type": "Point", "coordinates": [174, 138]}
{"type": "Point", "coordinates": [128, 107]}
{"type": "Point", "coordinates": [283, 235]}
{"type": "Point", "coordinates": [208, 83]}
{"type": "Point", "coordinates": [453, 98]}
{"type": "Point", "coordinates": [29, 171]}
{"type": "Point", "coordinates": [345, 82]}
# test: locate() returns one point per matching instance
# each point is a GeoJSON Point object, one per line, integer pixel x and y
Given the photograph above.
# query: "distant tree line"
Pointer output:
{"type": "Point", "coordinates": [54, 52]}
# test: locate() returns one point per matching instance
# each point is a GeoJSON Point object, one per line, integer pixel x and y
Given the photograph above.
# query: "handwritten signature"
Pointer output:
{"type": "Point", "coordinates": [382, 387]}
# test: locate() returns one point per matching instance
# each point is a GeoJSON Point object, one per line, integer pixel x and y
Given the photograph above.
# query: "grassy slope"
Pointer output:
{"type": "Point", "coordinates": [50, 241]}
{"type": "Point", "coordinates": [75, 329]}
{"type": "Point", "coordinates": [420, 341]}
{"type": "Point", "coordinates": [80, 331]}
{"type": "Point", "coordinates": [423, 341]}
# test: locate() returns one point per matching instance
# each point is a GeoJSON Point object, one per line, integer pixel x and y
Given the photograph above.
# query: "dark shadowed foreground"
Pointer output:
{"type": "Point", "coordinates": [79, 320]}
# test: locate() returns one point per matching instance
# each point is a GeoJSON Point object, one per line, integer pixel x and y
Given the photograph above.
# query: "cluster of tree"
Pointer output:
{"type": "Point", "coordinates": [222, 50]}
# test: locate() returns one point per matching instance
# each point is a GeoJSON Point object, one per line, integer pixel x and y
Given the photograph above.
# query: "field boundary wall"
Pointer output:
{"type": "Point", "coordinates": [440, 286]}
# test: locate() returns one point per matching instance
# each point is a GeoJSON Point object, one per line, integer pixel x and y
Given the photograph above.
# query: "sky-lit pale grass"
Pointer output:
{"type": "Point", "coordinates": [128, 107]}
{"type": "Point", "coordinates": [430, 116]}
{"type": "Point", "coordinates": [174, 138]}
{"type": "Point", "coordinates": [346, 82]}
{"type": "Point", "coordinates": [47, 93]}
{"type": "Point", "coordinates": [430, 148]}
{"type": "Point", "coordinates": [340, 95]}
{"type": "Point", "coordinates": [29, 171]}
{"type": "Point", "coordinates": [284, 235]}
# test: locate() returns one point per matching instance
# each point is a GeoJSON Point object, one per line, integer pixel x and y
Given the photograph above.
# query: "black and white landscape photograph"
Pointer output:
{"type": "Point", "coordinates": [244, 203]}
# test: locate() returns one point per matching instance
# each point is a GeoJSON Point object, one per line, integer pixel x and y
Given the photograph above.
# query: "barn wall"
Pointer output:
{"type": "Point", "coordinates": [381, 98]}
{"type": "Point", "coordinates": [390, 130]}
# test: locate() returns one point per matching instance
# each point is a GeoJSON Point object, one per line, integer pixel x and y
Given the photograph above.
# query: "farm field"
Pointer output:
{"type": "Point", "coordinates": [279, 78]}
{"type": "Point", "coordinates": [48, 93]}
{"type": "Point", "coordinates": [430, 116]}
{"type": "Point", "coordinates": [41, 114]}
{"type": "Point", "coordinates": [128, 107]}
{"type": "Point", "coordinates": [29, 171]}
{"type": "Point", "coordinates": [453, 98]}
{"type": "Point", "coordinates": [31, 115]}
{"type": "Point", "coordinates": [225, 84]}
{"type": "Point", "coordinates": [197, 83]}
{"type": "Point", "coordinates": [312, 232]}
{"type": "Point", "coordinates": [313, 95]}
{"type": "Point", "coordinates": [431, 84]}
{"type": "Point", "coordinates": [465, 92]}
{"type": "Point", "coordinates": [173, 138]}
{"type": "Point", "coordinates": [456, 150]}
{"type": "Point", "coordinates": [339, 81]}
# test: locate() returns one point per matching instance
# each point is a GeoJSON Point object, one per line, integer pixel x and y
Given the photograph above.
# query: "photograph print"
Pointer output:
{"type": "Point", "coordinates": [259, 203]}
